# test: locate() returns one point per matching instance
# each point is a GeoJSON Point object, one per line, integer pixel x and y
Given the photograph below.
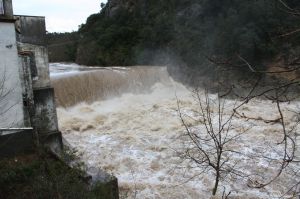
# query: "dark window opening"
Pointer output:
{"type": "Point", "coordinates": [33, 69]}
{"type": "Point", "coordinates": [29, 65]}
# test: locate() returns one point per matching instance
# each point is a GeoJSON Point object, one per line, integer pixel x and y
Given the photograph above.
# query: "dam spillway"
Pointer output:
{"type": "Point", "coordinates": [125, 121]}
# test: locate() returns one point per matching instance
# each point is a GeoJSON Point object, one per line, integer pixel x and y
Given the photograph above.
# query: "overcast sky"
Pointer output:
{"type": "Point", "coordinates": [61, 15]}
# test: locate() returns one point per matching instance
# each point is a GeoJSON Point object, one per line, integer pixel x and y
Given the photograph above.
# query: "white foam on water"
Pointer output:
{"type": "Point", "coordinates": [137, 136]}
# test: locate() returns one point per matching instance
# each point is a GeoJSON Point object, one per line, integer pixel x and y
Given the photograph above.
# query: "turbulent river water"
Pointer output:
{"type": "Point", "coordinates": [126, 121]}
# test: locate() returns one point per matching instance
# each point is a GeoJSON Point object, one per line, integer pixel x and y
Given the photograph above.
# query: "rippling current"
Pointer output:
{"type": "Point", "coordinates": [126, 121]}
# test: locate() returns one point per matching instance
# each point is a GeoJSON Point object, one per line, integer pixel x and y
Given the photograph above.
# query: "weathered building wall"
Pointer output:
{"type": "Point", "coordinates": [41, 78]}
{"type": "Point", "coordinates": [7, 8]}
{"type": "Point", "coordinates": [26, 64]}
{"type": "Point", "coordinates": [32, 37]}
{"type": "Point", "coordinates": [11, 102]}
{"type": "Point", "coordinates": [45, 110]}
{"type": "Point", "coordinates": [26, 98]}
{"type": "Point", "coordinates": [32, 29]}
{"type": "Point", "coordinates": [45, 119]}
{"type": "Point", "coordinates": [1, 7]}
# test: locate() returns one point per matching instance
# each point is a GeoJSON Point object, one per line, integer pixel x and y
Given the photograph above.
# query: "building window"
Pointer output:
{"type": "Point", "coordinates": [1, 7]}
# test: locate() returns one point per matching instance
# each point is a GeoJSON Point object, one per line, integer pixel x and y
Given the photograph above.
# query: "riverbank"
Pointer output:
{"type": "Point", "coordinates": [41, 175]}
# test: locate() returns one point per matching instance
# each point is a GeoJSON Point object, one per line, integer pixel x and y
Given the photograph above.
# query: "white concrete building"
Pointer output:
{"type": "Point", "coordinates": [27, 107]}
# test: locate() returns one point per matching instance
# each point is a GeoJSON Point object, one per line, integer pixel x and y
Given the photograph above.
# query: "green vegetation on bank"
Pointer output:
{"type": "Point", "coordinates": [195, 32]}
{"type": "Point", "coordinates": [42, 176]}
{"type": "Point", "coordinates": [62, 46]}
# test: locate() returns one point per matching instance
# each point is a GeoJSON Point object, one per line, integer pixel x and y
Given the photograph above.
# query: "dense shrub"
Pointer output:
{"type": "Point", "coordinates": [42, 177]}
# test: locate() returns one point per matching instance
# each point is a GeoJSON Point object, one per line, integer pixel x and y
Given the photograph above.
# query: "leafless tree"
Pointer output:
{"type": "Point", "coordinates": [5, 104]}
{"type": "Point", "coordinates": [207, 150]}
{"type": "Point", "coordinates": [287, 150]}
{"type": "Point", "coordinates": [210, 148]}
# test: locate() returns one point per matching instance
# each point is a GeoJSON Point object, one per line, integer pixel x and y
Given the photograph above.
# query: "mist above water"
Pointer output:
{"type": "Point", "coordinates": [126, 122]}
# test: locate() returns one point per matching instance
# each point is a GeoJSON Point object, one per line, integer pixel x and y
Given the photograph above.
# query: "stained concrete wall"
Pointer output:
{"type": "Point", "coordinates": [11, 102]}
{"type": "Point", "coordinates": [45, 119]}
{"type": "Point", "coordinates": [26, 64]}
{"type": "Point", "coordinates": [8, 9]}
{"type": "Point", "coordinates": [31, 36]}
{"type": "Point", "coordinates": [26, 97]}
{"type": "Point", "coordinates": [42, 78]}
{"type": "Point", "coordinates": [32, 29]}
{"type": "Point", "coordinates": [1, 7]}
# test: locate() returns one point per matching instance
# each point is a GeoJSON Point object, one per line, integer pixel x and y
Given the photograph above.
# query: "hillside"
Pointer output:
{"type": "Point", "coordinates": [198, 34]}
{"type": "Point", "coordinates": [62, 46]}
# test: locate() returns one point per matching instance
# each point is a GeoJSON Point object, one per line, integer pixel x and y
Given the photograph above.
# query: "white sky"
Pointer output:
{"type": "Point", "coordinates": [61, 15]}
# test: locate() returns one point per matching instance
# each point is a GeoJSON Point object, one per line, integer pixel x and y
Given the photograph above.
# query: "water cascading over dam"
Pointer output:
{"type": "Point", "coordinates": [105, 83]}
{"type": "Point", "coordinates": [125, 121]}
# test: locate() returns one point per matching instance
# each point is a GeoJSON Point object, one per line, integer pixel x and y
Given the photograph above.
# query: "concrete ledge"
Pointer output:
{"type": "Point", "coordinates": [16, 143]}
